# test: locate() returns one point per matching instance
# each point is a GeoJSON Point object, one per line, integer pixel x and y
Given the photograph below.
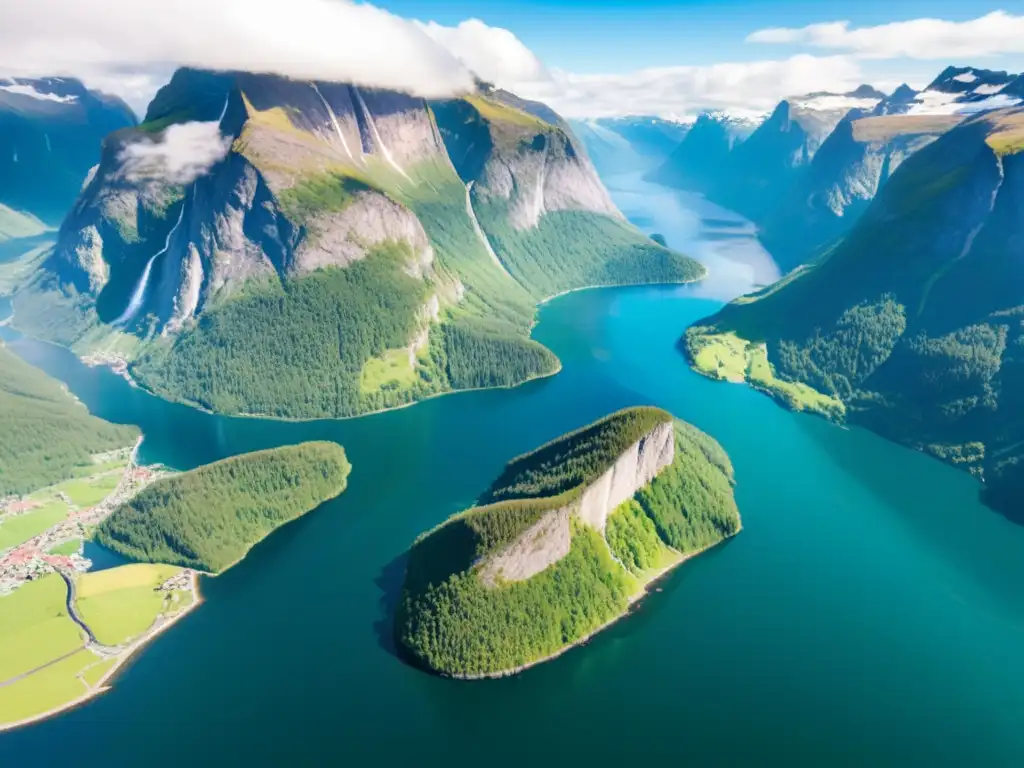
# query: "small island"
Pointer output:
{"type": "Point", "coordinates": [564, 541]}
{"type": "Point", "coordinates": [208, 519]}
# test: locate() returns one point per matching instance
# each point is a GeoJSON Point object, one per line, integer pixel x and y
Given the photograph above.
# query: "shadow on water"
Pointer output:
{"type": "Point", "coordinates": [102, 558]}
{"type": "Point", "coordinates": [389, 581]}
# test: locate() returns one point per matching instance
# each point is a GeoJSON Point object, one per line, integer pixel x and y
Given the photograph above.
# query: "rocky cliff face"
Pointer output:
{"type": "Point", "coordinates": [548, 540]}
{"type": "Point", "coordinates": [294, 178]}
{"type": "Point", "coordinates": [828, 196]}
{"type": "Point", "coordinates": [259, 205]}
{"type": "Point", "coordinates": [520, 161]}
{"type": "Point", "coordinates": [50, 134]}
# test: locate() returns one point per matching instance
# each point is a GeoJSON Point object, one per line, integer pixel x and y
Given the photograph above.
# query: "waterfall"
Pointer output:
{"type": "Point", "coordinates": [139, 295]}
{"type": "Point", "coordinates": [334, 121]}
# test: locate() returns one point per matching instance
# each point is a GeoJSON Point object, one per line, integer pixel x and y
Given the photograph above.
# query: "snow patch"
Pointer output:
{"type": "Point", "coordinates": [32, 93]}
{"type": "Point", "coordinates": [989, 89]}
{"type": "Point", "coordinates": [939, 103]}
{"type": "Point", "coordinates": [966, 77]}
{"type": "Point", "coordinates": [837, 101]}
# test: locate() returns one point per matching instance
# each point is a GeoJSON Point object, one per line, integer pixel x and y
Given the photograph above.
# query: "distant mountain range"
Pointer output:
{"type": "Point", "coordinates": [808, 171]}
{"type": "Point", "coordinates": [51, 131]}
{"type": "Point", "coordinates": [622, 144]}
{"type": "Point", "coordinates": [308, 249]}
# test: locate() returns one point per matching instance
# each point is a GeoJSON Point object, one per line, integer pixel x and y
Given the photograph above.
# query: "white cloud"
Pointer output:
{"type": "Point", "coordinates": [990, 35]}
{"type": "Point", "coordinates": [755, 85]}
{"type": "Point", "coordinates": [183, 153]}
{"type": "Point", "coordinates": [326, 39]}
{"type": "Point", "coordinates": [494, 54]}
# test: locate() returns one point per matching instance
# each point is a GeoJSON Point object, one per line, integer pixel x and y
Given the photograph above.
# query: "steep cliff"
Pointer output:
{"type": "Point", "coordinates": [565, 539]}
{"type": "Point", "coordinates": [914, 319]}
{"type": "Point", "coordinates": [305, 249]}
{"type": "Point", "coordinates": [827, 197]}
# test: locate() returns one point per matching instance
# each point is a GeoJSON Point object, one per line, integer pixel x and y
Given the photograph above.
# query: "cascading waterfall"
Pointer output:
{"type": "Point", "coordinates": [376, 135]}
{"type": "Point", "coordinates": [139, 295]}
{"type": "Point", "coordinates": [334, 121]}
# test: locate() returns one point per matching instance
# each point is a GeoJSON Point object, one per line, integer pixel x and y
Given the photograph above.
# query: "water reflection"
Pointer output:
{"type": "Point", "coordinates": [721, 239]}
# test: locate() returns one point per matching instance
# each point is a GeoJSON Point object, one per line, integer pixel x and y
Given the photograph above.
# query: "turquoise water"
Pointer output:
{"type": "Point", "coordinates": [869, 612]}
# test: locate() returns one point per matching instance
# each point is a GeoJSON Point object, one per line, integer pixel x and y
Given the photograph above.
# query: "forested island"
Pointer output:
{"type": "Point", "coordinates": [562, 543]}
{"type": "Point", "coordinates": [208, 519]}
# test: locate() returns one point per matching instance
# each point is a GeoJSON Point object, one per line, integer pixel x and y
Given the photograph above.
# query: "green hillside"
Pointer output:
{"type": "Point", "coordinates": [914, 320]}
{"type": "Point", "coordinates": [47, 435]}
{"type": "Point", "coordinates": [211, 517]}
{"type": "Point", "coordinates": [456, 621]}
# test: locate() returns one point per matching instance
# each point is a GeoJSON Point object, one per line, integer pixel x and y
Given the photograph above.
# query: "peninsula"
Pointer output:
{"type": "Point", "coordinates": [562, 543]}
{"type": "Point", "coordinates": [65, 630]}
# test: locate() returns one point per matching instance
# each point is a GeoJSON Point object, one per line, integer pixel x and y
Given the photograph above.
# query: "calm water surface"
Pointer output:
{"type": "Point", "coordinates": [869, 612]}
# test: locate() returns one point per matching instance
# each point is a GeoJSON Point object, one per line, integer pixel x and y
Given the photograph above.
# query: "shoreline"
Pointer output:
{"type": "Point", "coordinates": [118, 366]}
{"type": "Point", "coordinates": [634, 599]}
{"type": "Point", "coordinates": [105, 683]}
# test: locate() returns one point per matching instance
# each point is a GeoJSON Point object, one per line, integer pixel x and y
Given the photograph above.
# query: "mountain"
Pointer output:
{"type": "Point", "coordinates": [309, 249]}
{"type": "Point", "coordinates": [698, 161]}
{"type": "Point", "coordinates": [562, 543]}
{"type": "Point", "coordinates": [749, 175]}
{"type": "Point", "coordinates": [50, 133]}
{"type": "Point", "coordinates": [850, 166]}
{"type": "Point", "coordinates": [898, 102]}
{"type": "Point", "coordinates": [914, 321]}
{"type": "Point", "coordinates": [965, 90]}
{"type": "Point", "coordinates": [624, 144]}
{"type": "Point", "coordinates": [809, 170]}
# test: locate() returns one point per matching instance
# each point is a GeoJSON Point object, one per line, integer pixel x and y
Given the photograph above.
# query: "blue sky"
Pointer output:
{"type": "Point", "coordinates": [601, 36]}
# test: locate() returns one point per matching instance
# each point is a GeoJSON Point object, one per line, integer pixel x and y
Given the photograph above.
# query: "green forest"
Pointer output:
{"type": "Point", "coordinates": [209, 518]}
{"type": "Point", "coordinates": [47, 434]}
{"type": "Point", "coordinates": [296, 350]}
{"type": "Point", "coordinates": [915, 320]}
{"type": "Point", "coordinates": [451, 622]}
{"type": "Point", "coordinates": [576, 249]}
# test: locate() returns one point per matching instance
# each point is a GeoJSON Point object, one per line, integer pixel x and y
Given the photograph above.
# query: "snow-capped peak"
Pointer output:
{"type": "Point", "coordinates": [28, 89]}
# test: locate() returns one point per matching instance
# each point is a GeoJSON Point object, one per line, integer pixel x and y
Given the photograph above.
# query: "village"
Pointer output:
{"type": "Point", "coordinates": [42, 553]}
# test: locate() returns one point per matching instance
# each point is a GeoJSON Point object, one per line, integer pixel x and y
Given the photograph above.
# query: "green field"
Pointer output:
{"type": "Point", "coordinates": [392, 369]}
{"type": "Point", "coordinates": [90, 491]}
{"type": "Point", "coordinates": [18, 529]}
{"type": "Point", "coordinates": [121, 603]}
{"type": "Point", "coordinates": [69, 547]}
{"type": "Point", "coordinates": [47, 689]}
{"type": "Point", "coordinates": [35, 627]}
{"type": "Point", "coordinates": [728, 357]}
